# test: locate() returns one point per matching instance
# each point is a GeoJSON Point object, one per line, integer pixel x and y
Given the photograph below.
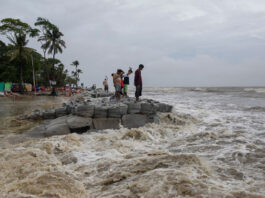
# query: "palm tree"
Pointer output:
{"type": "Point", "coordinates": [19, 51]}
{"type": "Point", "coordinates": [75, 63]}
{"type": "Point", "coordinates": [45, 25]}
{"type": "Point", "coordinates": [16, 32]}
{"type": "Point", "coordinates": [53, 43]}
{"type": "Point", "coordinates": [76, 72]}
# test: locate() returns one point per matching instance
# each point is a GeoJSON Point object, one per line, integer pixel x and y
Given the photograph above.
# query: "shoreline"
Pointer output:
{"type": "Point", "coordinates": [24, 105]}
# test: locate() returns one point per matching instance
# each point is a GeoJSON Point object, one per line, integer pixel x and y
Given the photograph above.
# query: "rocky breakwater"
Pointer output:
{"type": "Point", "coordinates": [95, 114]}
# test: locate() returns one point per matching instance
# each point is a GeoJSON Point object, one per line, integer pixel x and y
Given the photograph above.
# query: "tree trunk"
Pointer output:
{"type": "Point", "coordinates": [53, 93]}
{"type": "Point", "coordinates": [21, 71]}
{"type": "Point", "coordinates": [44, 54]}
{"type": "Point", "coordinates": [47, 77]}
{"type": "Point", "coordinates": [33, 75]}
{"type": "Point", "coordinates": [21, 79]}
{"type": "Point", "coordinates": [53, 56]}
{"type": "Point", "coordinates": [76, 77]}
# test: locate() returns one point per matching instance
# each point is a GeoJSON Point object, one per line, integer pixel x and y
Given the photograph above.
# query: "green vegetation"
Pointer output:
{"type": "Point", "coordinates": [20, 63]}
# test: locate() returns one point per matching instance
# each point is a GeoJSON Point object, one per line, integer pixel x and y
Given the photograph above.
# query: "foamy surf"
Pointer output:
{"type": "Point", "coordinates": [165, 160]}
{"type": "Point", "coordinates": [210, 146]}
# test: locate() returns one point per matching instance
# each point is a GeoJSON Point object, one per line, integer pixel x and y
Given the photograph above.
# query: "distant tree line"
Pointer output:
{"type": "Point", "coordinates": [20, 63]}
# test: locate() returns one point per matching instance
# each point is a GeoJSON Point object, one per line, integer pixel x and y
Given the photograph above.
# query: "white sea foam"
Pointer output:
{"type": "Point", "coordinates": [258, 90]}
{"type": "Point", "coordinates": [211, 146]}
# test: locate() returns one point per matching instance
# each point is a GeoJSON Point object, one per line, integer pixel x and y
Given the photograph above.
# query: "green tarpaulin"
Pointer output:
{"type": "Point", "coordinates": [2, 86]}
{"type": "Point", "coordinates": [8, 86]}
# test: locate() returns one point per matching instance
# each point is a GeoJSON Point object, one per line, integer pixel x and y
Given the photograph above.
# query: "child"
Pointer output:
{"type": "Point", "coordinates": [122, 84]}
{"type": "Point", "coordinates": [126, 82]}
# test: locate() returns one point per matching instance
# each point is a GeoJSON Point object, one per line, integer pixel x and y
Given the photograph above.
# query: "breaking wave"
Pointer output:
{"type": "Point", "coordinates": [257, 90]}
{"type": "Point", "coordinates": [212, 145]}
{"type": "Point", "coordinates": [256, 108]}
{"type": "Point", "coordinates": [171, 159]}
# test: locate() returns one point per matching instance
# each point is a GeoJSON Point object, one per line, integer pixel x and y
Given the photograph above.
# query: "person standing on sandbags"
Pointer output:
{"type": "Point", "coordinates": [138, 82]}
{"type": "Point", "coordinates": [106, 85]}
{"type": "Point", "coordinates": [126, 82]}
{"type": "Point", "coordinates": [117, 83]}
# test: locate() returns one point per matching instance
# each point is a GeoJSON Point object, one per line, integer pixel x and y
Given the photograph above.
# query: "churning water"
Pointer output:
{"type": "Point", "coordinates": [212, 145]}
{"type": "Point", "coordinates": [11, 107]}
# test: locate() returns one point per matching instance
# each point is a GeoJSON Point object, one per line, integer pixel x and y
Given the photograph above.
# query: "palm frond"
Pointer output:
{"type": "Point", "coordinates": [14, 54]}
{"type": "Point", "coordinates": [11, 40]}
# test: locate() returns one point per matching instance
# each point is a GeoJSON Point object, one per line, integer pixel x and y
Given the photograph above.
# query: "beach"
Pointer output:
{"type": "Point", "coordinates": [211, 145]}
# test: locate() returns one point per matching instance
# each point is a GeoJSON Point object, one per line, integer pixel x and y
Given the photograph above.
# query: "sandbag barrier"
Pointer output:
{"type": "Point", "coordinates": [99, 114]}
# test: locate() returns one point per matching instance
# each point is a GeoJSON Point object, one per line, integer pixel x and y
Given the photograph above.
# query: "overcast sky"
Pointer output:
{"type": "Point", "coordinates": [180, 42]}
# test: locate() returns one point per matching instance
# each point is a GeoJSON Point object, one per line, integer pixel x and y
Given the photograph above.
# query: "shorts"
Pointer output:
{"type": "Point", "coordinates": [125, 88]}
{"type": "Point", "coordinates": [138, 91]}
{"type": "Point", "coordinates": [117, 88]}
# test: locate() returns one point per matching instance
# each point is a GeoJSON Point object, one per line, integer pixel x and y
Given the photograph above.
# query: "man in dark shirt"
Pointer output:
{"type": "Point", "coordinates": [138, 82]}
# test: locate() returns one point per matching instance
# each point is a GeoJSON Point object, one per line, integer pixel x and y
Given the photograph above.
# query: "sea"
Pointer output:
{"type": "Point", "coordinates": [211, 145]}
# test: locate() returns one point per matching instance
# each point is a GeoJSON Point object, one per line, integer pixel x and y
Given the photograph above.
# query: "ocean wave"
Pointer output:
{"type": "Point", "coordinates": [199, 89]}
{"type": "Point", "coordinates": [157, 160]}
{"type": "Point", "coordinates": [32, 170]}
{"type": "Point", "coordinates": [215, 89]}
{"type": "Point", "coordinates": [256, 108]}
{"type": "Point", "coordinates": [257, 90]}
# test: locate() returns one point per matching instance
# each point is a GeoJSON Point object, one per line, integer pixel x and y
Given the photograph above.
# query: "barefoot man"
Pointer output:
{"type": "Point", "coordinates": [138, 82]}
{"type": "Point", "coordinates": [117, 83]}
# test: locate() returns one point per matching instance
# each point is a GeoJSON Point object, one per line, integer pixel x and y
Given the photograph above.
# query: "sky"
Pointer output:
{"type": "Point", "coordinates": [180, 42]}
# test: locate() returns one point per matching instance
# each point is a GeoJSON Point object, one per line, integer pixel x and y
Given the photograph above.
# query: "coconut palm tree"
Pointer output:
{"type": "Point", "coordinates": [16, 32]}
{"type": "Point", "coordinates": [45, 25]}
{"type": "Point", "coordinates": [53, 43]}
{"type": "Point", "coordinates": [19, 52]}
{"type": "Point", "coordinates": [76, 72]}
